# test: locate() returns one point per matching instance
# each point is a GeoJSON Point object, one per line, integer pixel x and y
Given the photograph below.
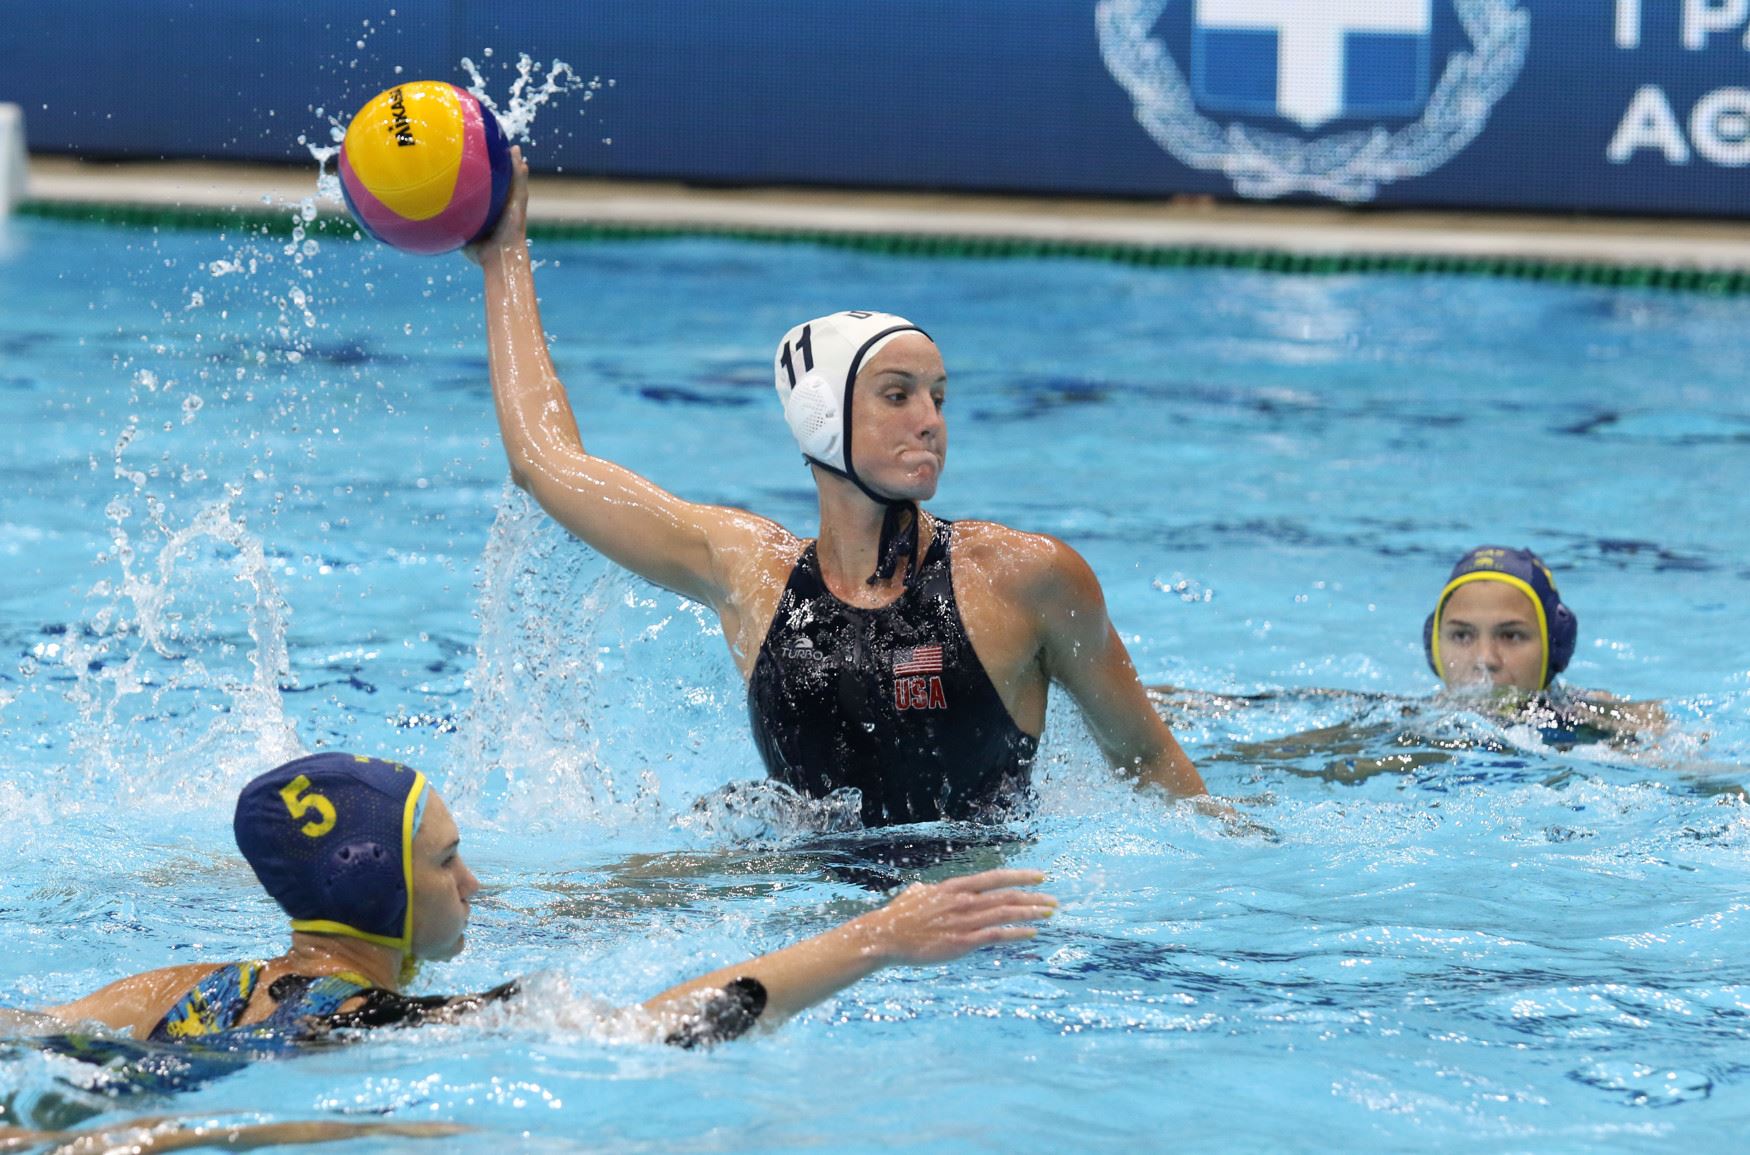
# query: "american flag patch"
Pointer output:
{"type": "Point", "coordinates": [920, 660]}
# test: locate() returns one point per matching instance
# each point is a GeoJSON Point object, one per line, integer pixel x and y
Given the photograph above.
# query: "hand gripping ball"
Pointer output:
{"type": "Point", "coordinates": [425, 168]}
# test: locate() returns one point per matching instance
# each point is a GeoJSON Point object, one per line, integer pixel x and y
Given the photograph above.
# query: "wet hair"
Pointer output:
{"type": "Point", "coordinates": [1525, 572]}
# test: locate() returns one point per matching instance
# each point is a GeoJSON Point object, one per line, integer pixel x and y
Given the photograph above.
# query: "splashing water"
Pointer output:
{"type": "Point", "coordinates": [535, 84]}
{"type": "Point", "coordinates": [763, 812]}
{"type": "Point", "coordinates": [527, 95]}
{"type": "Point", "coordinates": [175, 673]}
{"type": "Point", "coordinates": [160, 648]}
{"type": "Point", "coordinates": [598, 701]}
{"type": "Point", "coordinates": [1511, 945]}
{"type": "Point", "coordinates": [530, 752]}
{"type": "Point", "coordinates": [327, 179]}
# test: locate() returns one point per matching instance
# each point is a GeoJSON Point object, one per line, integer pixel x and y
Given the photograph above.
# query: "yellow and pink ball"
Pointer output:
{"type": "Point", "coordinates": [425, 168]}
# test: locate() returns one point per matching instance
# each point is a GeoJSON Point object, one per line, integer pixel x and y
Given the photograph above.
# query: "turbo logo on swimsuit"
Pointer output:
{"type": "Point", "coordinates": [1253, 89]}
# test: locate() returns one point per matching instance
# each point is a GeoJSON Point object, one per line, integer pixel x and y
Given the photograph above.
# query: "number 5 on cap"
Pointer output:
{"type": "Point", "coordinates": [300, 804]}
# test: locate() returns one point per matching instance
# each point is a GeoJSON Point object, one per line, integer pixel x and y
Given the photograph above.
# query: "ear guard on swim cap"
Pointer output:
{"type": "Point", "coordinates": [814, 369]}
{"type": "Point", "coordinates": [1524, 571]}
{"type": "Point", "coordinates": [330, 836]}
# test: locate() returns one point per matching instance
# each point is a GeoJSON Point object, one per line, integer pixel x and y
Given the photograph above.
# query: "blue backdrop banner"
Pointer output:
{"type": "Point", "coordinates": [1617, 105]}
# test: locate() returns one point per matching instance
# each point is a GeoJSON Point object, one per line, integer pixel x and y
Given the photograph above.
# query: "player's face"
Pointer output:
{"type": "Point", "coordinates": [899, 438]}
{"type": "Point", "coordinates": [1489, 636]}
{"type": "Point", "coordinates": [442, 885]}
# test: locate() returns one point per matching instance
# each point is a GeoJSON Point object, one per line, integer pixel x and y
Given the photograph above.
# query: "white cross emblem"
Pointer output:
{"type": "Point", "coordinates": [1309, 42]}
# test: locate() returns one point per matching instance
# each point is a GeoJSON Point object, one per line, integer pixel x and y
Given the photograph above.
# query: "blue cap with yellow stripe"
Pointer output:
{"type": "Point", "coordinates": [330, 836]}
{"type": "Point", "coordinates": [1524, 571]}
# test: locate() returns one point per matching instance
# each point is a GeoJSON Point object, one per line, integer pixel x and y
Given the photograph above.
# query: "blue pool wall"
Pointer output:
{"type": "Point", "coordinates": [1011, 96]}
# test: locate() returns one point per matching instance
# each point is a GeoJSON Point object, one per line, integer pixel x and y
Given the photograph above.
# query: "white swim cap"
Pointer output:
{"type": "Point", "coordinates": [815, 367]}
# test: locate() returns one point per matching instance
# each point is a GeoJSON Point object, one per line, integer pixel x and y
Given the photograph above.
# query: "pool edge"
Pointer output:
{"type": "Point", "coordinates": [1712, 258]}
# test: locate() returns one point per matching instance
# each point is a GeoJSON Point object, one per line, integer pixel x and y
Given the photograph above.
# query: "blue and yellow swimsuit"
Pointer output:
{"type": "Point", "coordinates": [197, 1041]}
{"type": "Point", "coordinates": [303, 1008]}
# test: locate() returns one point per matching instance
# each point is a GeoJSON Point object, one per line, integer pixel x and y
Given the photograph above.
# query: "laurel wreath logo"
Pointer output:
{"type": "Point", "coordinates": [1349, 166]}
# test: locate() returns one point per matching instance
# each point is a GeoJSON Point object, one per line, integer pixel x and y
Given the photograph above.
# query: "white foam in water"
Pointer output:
{"type": "Point", "coordinates": [763, 812]}
{"type": "Point", "coordinates": [553, 1007]}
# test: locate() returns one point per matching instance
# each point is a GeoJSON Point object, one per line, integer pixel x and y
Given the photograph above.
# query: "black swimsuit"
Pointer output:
{"type": "Point", "coordinates": [891, 701]}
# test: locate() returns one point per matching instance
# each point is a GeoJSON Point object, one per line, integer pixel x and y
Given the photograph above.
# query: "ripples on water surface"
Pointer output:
{"type": "Point", "coordinates": [255, 504]}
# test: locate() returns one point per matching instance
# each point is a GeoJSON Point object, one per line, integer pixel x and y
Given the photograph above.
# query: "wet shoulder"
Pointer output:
{"type": "Point", "coordinates": [139, 1001]}
{"type": "Point", "coordinates": [1017, 563]}
{"type": "Point", "coordinates": [754, 550]}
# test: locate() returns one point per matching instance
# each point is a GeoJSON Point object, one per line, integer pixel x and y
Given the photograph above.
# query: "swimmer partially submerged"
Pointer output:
{"type": "Point", "coordinates": [365, 858]}
{"type": "Point", "coordinates": [1500, 631]}
{"type": "Point", "coordinates": [896, 653]}
{"type": "Point", "coordinates": [1498, 638]}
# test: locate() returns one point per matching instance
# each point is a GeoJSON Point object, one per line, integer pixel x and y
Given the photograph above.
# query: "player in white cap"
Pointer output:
{"type": "Point", "coordinates": [897, 653]}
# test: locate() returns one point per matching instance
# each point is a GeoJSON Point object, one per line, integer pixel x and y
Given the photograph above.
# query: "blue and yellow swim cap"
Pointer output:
{"type": "Point", "coordinates": [330, 836]}
{"type": "Point", "coordinates": [1524, 571]}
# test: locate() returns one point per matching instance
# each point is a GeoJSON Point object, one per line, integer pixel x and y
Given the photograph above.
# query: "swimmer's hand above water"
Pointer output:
{"type": "Point", "coordinates": [512, 231]}
{"type": "Point", "coordinates": [938, 922]}
{"type": "Point", "coordinates": [925, 923]}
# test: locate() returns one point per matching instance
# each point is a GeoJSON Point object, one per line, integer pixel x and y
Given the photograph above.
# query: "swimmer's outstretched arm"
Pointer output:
{"type": "Point", "coordinates": [1084, 654]}
{"type": "Point", "coordinates": [926, 923]}
{"type": "Point", "coordinates": [695, 550]}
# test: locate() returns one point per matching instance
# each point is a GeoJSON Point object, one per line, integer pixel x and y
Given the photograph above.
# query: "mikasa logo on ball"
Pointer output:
{"type": "Point", "coordinates": [398, 120]}
{"type": "Point", "coordinates": [1330, 97]}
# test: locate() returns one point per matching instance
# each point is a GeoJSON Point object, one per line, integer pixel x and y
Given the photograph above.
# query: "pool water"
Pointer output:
{"type": "Point", "coordinates": [255, 505]}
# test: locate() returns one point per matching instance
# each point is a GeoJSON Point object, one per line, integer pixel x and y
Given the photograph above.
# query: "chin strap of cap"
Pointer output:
{"type": "Point", "coordinates": [899, 533]}
{"type": "Point", "coordinates": [899, 539]}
